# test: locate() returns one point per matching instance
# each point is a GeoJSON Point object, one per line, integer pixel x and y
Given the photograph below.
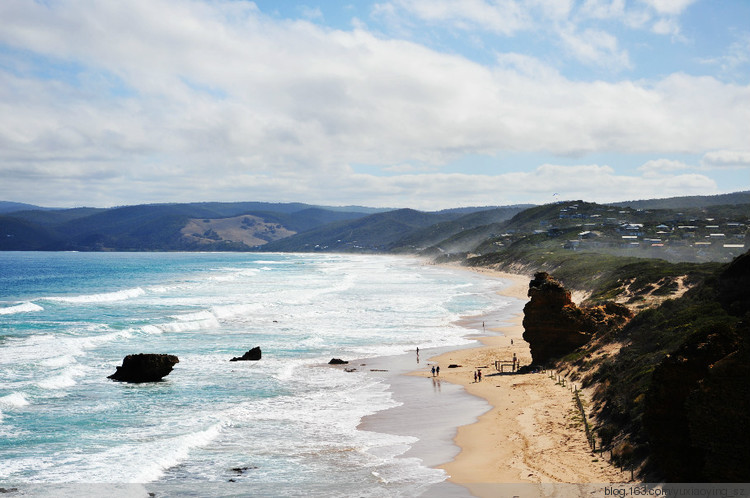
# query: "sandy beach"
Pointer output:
{"type": "Point", "coordinates": [530, 435]}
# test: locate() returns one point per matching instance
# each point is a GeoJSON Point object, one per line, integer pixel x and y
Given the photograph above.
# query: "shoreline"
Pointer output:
{"type": "Point", "coordinates": [529, 434]}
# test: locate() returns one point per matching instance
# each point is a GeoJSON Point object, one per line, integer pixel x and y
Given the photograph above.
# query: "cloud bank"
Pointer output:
{"type": "Point", "coordinates": [109, 103]}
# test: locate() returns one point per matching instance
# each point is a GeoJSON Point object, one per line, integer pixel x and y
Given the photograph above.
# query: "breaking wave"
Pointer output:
{"type": "Point", "coordinates": [105, 297]}
{"type": "Point", "coordinates": [21, 308]}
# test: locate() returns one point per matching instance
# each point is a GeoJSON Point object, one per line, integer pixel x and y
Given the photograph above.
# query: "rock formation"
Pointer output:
{"type": "Point", "coordinates": [252, 355]}
{"type": "Point", "coordinates": [142, 367]}
{"type": "Point", "coordinates": [337, 361]}
{"type": "Point", "coordinates": [554, 326]}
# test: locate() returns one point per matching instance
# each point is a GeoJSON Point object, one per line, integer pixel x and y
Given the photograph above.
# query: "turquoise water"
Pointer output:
{"type": "Point", "coordinates": [68, 319]}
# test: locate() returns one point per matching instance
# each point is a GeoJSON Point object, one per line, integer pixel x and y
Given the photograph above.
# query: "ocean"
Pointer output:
{"type": "Point", "coordinates": [284, 425]}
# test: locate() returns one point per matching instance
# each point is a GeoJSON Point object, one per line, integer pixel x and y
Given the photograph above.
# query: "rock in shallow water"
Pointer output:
{"type": "Point", "coordinates": [144, 367]}
{"type": "Point", "coordinates": [252, 355]}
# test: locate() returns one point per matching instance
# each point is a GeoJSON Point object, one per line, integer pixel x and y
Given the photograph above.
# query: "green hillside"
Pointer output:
{"type": "Point", "coordinates": [374, 233]}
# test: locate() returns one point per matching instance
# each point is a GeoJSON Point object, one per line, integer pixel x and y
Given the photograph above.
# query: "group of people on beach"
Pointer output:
{"type": "Point", "coordinates": [436, 370]}
{"type": "Point", "coordinates": [477, 375]}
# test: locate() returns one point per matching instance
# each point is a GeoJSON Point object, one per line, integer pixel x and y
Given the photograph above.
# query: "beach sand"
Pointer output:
{"type": "Point", "coordinates": [530, 433]}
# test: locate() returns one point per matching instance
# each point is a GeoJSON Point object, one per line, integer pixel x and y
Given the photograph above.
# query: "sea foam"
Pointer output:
{"type": "Point", "coordinates": [14, 400]}
{"type": "Point", "coordinates": [21, 308]}
{"type": "Point", "coordinates": [105, 297]}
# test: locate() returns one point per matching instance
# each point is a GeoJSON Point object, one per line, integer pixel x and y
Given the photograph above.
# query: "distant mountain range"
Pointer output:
{"type": "Point", "coordinates": [298, 227]}
{"type": "Point", "coordinates": [212, 226]}
{"type": "Point", "coordinates": [695, 201]}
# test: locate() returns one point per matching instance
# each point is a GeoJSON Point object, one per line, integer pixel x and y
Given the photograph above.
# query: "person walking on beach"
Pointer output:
{"type": "Point", "coordinates": [437, 370]}
{"type": "Point", "coordinates": [475, 376]}
{"type": "Point", "coordinates": [433, 371]}
{"type": "Point", "coordinates": [479, 375]}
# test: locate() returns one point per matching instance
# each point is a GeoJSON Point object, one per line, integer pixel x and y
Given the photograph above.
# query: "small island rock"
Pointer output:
{"type": "Point", "coordinates": [137, 368]}
{"type": "Point", "coordinates": [337, 361]}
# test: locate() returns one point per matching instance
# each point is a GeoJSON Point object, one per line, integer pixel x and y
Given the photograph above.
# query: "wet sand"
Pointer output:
{"type": "Point", "coordinates": [507, 430]}
{"type": "Point", "coordinates": [530, 434]}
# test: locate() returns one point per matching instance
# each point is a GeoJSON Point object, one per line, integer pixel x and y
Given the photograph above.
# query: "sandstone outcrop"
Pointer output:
{"type": "Point", "coordinates": [554, 326]}
{"type": "Point", "coordinates": [252, 355]}
{"type": "Point", "coordinates": [142, 367]}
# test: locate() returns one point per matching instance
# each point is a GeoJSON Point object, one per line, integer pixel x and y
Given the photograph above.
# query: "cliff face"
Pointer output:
{"type": "Point", "coordinates": [667, 415]}
{"type": "Point", "coordinates": [697, 411]}
{"type": "Point", "coordinates": [554, 326]}
{"type": "Point", "coordinates": [734, 286]}
{"type": "Point", "coordinates": [718, 413]}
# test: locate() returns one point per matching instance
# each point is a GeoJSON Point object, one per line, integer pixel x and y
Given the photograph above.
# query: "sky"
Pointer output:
{"type": "Point", "coordinates": [427, 104]}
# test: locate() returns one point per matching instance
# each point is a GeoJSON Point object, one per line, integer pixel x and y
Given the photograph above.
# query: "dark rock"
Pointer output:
{"type": "Point", "coordinates": [241, 470]}
{"type": "Point", "coordinates": [252, 355]}
{"type": "Point", "coordinates": [142, 367]}
{"type": "Point", "coordinates": [453, 365]}
{"type": "Point", "coordinates": [337, 361]}
{"type": "Point", "coordinates": [554, 326]}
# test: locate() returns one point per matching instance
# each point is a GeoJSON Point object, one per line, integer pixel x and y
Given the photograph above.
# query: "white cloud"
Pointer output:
{"type": "Point", "coordinates": [662, 167]}
{"type": "Point", "coordinates": [312, 13]}
{"type": "Point", "coordinates": [670, 7]}
{"type": "Point", "coordinates": [666, 26]}
{"type": "Point", "coordinates": [595, 47]}
{"type": "Point", "coordinates": [602, 9]}
{"type": "Point", "coordinates": [590, 182]}
{"type": "Point", "coordinates": [726, 159]}
{"type": "Point", "coordinates": [573, 24]}
{"type": "Point", "coordinates": [734, 62]}
{"type": "Point", "coordinates": [219, 101]}
{"type": "Point", "coordinates": [501, 16]}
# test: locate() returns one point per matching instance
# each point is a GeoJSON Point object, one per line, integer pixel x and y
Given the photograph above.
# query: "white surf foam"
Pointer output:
{"type": "Point", "coordinates": [105, 297]}
{"type": "Point", "coordinates": [21, 308]}
{"type": "Point", "coordinates": [173, 452]}
{"type": "Point", "coordinates": [235, 310]}
{"type": "Point", "coordinates": [230, 274]}
{"type": "Point", "coordinates": [152, 329]}
{"type": "Point", "coordinates": [63, 380]}
{"type": "Point", "coordinates": [201, 320]}
{"type": "Point", "coordinates": [14, 400]}
{"type": "Point", "coordinates": [59, 361]}
{"type": "Point", "coordinates": [137, 462]}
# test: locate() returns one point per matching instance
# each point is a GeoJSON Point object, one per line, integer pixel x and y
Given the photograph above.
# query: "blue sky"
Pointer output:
{"type": "Point", "coordinates": [426, 104]}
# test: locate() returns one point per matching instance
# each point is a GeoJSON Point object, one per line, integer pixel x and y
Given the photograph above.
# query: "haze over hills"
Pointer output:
{"type": "Point", "coordinates": [710, 228]}
{"type": "Point", "coordinates": [239, 226]}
